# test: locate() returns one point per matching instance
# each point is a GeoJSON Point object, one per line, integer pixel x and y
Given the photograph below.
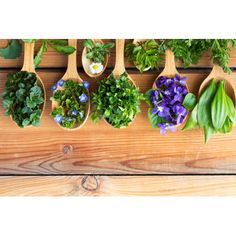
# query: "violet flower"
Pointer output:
{"type": "Point", "coordinates": [83, 98]}
{"type": "Point", "coordinates": [58, 118]}
{"type": "Point", "coordinates": [86, 84]}
{"type": "Point", "coordinates": [60, 82]}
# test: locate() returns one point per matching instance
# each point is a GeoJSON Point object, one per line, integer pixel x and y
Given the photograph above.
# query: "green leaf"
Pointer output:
{"type": "Point", "coordinates": [204, 105]}
{"type": "Point", "coordinates": [12, 51]}
{"type": "Point", "coordinates": [190, 101]}
{"type": "Point", "coordinates": [219, 107]}
{"type": "Point", "coordinates": [227, 126]}
{"type": "Point", "coordinates": [192, 120]}
{"type": "Point", "coordinates": [230, 109]}
{"type": "Point", "coordinates": [26, 122]}
{"type": "Point", "coordinates": [64, 49]}
{"type": "Point", "coordinates": [208, 132]}
{"type": "Point", "coordinates": [38, 57]}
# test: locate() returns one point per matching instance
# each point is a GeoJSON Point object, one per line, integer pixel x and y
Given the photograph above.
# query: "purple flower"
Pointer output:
{"type": "Point", "coordinates": [83, 98]}
{"type": "Point", "coordinates": [86, 84]}
{"type": "Point", "coordinates": [54, 87]}
{"type": "Point", "coordinates": [74, 112]}
{"type": "Point", "coordinates": [58, 118]}
{"type": "Point", "coordinates": [60, 82]}
{"type": "Point", "coordinates": [161, 111]}
{"type": "Point", "coordinates": [166, 126]}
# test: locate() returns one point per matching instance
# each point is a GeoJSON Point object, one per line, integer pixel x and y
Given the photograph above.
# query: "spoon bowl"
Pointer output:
{"type": "Point", "coordinates": [86, 62]}
{"type": "Point", "coordinates": [72, 74]}
{"type": "Point", "coordinates": [170, 71]}
{"type": "Point", "coordinates": [28, 66]}
{"type": "Point", "coordinates": [120, 68]}
{"type": "Point", "coordinates": [218, 74]}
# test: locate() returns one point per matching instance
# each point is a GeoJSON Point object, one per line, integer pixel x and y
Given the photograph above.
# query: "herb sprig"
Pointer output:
{"type": "Point", "coordinates": [23, 98]}
{"type": "Point", "coordinates": [60, 45]}
{"type": "Point", "coordinates": [97, 51]}
{"type": "Point", "coordinates": [117, 100]}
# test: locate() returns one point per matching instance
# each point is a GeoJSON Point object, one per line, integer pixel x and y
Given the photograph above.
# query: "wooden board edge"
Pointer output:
{"type": "Point", "coordinates": [118, 186]}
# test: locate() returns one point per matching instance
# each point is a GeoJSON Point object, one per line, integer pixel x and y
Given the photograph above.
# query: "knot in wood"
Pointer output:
{"type": "Point", "coordinates": [67, 149]}
{"type": "Point", "coordinates": [90, 183]}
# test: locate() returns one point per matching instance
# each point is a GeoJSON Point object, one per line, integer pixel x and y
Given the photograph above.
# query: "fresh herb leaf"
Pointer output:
{"type": "Point", "coordinates": [190, 101]}
{"type": "Point", "coordinates": [23, 98]}
{"type": "Point", "coordinates": [117, 100]}
{"type": "Point", "coordinates": [12, 51]}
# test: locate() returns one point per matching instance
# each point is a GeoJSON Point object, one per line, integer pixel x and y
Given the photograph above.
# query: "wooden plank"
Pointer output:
{"type": "Point", "coordinates": [52, 59]}
{"type": "Point", "coordinates": [118, 186]}
{"type": "Point", "coordinates": [101, 149]}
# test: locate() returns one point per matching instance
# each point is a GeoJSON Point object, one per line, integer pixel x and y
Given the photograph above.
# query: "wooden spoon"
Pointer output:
{"type": "Point", "coordinates": [120, 66]}
{"type": "Point", "coordinates": [169, 71]}
{"type": "Point", "coordinates": [135, 41]}
{"type": "Point", "coordinates": [218, 73]}
{"type": "Point", "coordinates": [29, 67]}
{"type": "Point", "coordinates": [86, 62]}
{"type": "Point", "coordinates": [72, 74]}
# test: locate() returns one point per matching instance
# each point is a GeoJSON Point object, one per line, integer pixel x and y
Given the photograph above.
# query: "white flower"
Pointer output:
{"type": "Point", "coordinates": [95, 68]}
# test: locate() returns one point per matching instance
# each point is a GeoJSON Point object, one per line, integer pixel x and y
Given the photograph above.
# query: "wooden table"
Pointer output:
{"type": "Point", "coordinates": [100, 160]}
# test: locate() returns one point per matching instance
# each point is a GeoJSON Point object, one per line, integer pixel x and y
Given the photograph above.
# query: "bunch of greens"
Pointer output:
{"type": "Point", "coordinates": [97, 51]}
{"type": "Point", "coordinates": [117, 100]}
{"type": "Point", "coordinates": [145, 54]}
{"type": "Point", "coordinates": [189, 51]}
{"type": "Point", "coordinates": [12, 50]}
{"type": "Point", "coordinates": [71, 99]}
{"type": "Point", "coordinates": [214, 112]}
{"type": "Point", "coordinates": [23, 98]}
{"type": "Point", "coordinates": [60, 45]}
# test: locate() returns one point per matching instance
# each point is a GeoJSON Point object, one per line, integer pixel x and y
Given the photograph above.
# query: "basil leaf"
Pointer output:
{"type": "Point", "coordinates": [208, 132]}
{"type": "Point", "coordinates": [227, 126]}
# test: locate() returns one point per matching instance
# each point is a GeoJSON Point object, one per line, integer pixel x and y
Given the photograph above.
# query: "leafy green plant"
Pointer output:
{"type": "Point", "coordinates": [23, 98]}
{"type": "Point", "coordinates": [97, 51]}
{"type": "Point", "coordinates": [145, 54]}
{"type": "Point", "coordinates": [60, 45]}
{"type": "Point", "coordinates": [214, 112]}
{"type": "Point", "coordinates": [12, 50]}
{"type": "Point", "coordinates": [117, 100]}
{"type": "Point", "coordinates": [71, 99]}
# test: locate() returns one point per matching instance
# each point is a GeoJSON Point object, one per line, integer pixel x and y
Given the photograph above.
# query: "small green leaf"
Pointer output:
{"type": "Point", "coordinates": [190, 101]}
{"type": "Point", "coordinates": [12, 51]}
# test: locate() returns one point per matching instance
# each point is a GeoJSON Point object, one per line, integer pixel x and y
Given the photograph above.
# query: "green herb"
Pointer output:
{"type": "Point", "coordinates": [12, 50]}
{"type": "Point", "coordinates": [97, 51]}
{"type": "Point", "coordinates": [215, 111]}
{"type": "Point", "coordinates": [144, 54]}
{"type": "Point", "coordinates": [23, 98]}
{"type": "Point", "coordinates": [60, 45]}
{"type": "Point", "coordinates": [219, 107]}
{"type": "Point", "coordinates": [190, 101]}
{"type": "Point", "coordinates": [204, 105]}
{"type": "Point", "coordinates": [70, 112]}
{"type": "Point", "coordinates": [117, 100]}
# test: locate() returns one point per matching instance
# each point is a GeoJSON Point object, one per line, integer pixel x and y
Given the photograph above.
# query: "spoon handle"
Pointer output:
{"type": "Point", "coordinates": [72, 60]}
{"type": "Point", "coordinates": [120, 65]}
{"type": "Point", "coordinates": [170, 67]}
{"type": "Point", "coordinates": [217, 70]}
{"type": "Point", "coordinates": [28, 57]}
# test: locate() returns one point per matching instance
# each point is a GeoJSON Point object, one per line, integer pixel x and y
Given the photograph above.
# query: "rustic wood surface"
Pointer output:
{"type": "Point", "coordinates": [101, 149]}
{"type": "Point", "coordinates": [118, 186]}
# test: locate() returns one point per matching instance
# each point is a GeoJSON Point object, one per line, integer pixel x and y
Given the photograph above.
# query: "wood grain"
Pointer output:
{"type": "Point", "coordinates": [53, 59]}
{"type": "Point", "coordinates": [118, 186]}
{"type": "Point", "coordinates": [101, 149]}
